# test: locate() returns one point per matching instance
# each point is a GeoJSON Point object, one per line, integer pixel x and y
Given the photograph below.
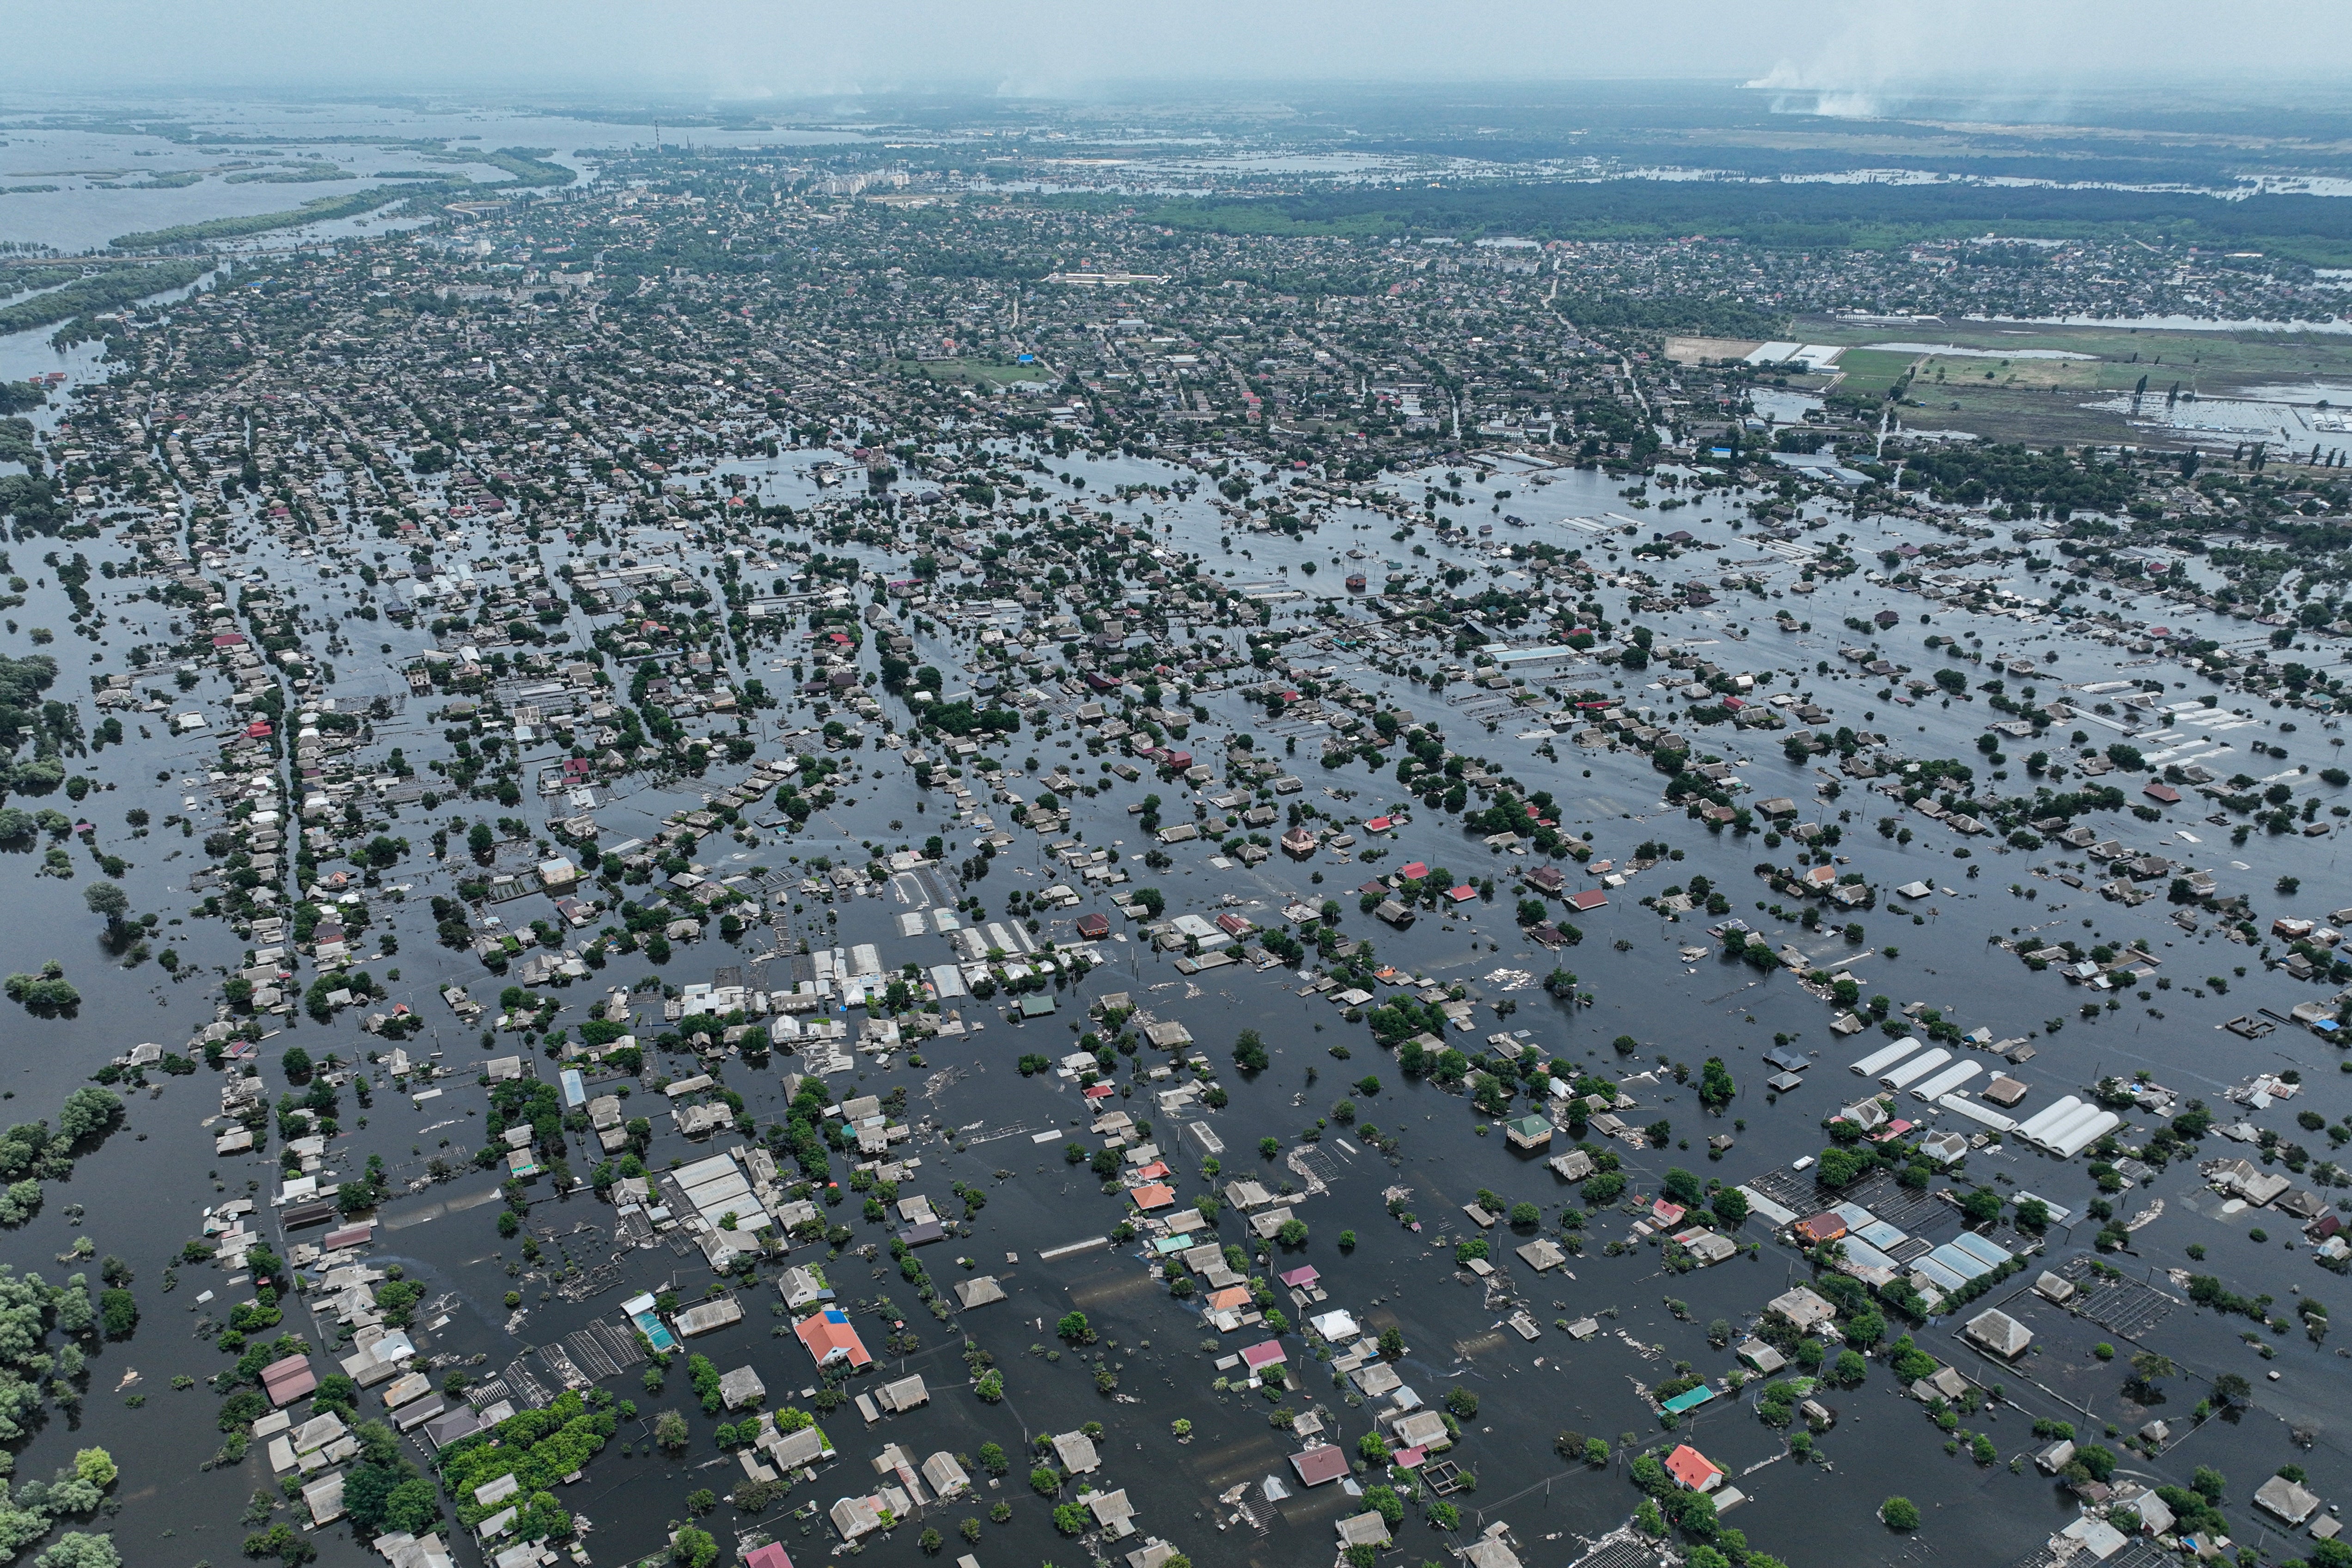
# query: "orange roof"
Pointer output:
{"type": "Point", "coordinates": [1230, 1299]}
{"type": "Point", "coordinates": [827, 1334]}
{"type": "Point", "coordinates": [1693, 1468]}
{"type": "Point", "coordinates": [1154, 1195]}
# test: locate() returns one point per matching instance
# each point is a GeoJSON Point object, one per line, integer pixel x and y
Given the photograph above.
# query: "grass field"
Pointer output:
{"type": "Point", "coordinates": [976, 372]}
{"type": "Point", "coordinates": [2041, 401]}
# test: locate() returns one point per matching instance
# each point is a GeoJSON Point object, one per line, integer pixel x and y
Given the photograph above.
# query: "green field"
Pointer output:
{"type": "Point", "coordinates": [1872, 369]}
{"type": "Point", "coordinates": [976, 373]}
{"type": "Point", "coordinates": [2040, 401]}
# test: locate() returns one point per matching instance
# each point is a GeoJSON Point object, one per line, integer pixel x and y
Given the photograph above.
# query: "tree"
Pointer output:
{"type": "Point", "coordinates": [1075, 1328]}
{"type": "Point", "coordinates": [670, 1431]}
{"type": "Point", "coordinates": [694, 1548]}
{"type": "Point", "coordinates": [1392, 1343]}
{"type": "Point", "coordinates": [87, 1112]}
{"type": "Point", "coordinates": [1071, 1519]}
{"type": "Point", "coordinates": [1842, 1167]}
{"type": "Point", "coordinates": [1900, 1513]}
{"type": "Point", "coordinates": [118, 1312]}
{"type": "Point", "coordinates": [930, 1541]}
{"type": "Point", "coordinates": [105, 898]}
{"type": "Point", "coordinates": [77, 1549]}
{"type": "Point", "coordinates": [2150, 1369]}
{"type": "Point", "coordinates": [1730, 1207]}
{"type": "Point", "coordinates": [1249, 1051]}
{"type": "Point", "coordinates": [95, 1466]}
{"type": "Point", "coordinates": [1463, 1402]}
{"type": "Point", "coordinates": [295, 1064]}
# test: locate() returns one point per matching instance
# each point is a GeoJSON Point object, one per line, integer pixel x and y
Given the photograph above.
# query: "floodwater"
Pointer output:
{"type": "Point", "coordinates": [49, 144]}
{"type": "Point", "coordinates": [142, 1194]}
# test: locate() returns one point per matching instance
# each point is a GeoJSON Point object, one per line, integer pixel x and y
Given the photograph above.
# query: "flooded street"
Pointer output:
{"type": "Point", "coordinates": [1288, 976]}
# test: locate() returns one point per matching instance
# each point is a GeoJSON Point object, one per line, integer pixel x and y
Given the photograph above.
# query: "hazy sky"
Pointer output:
{"type": "Point", "coordinates": [755, 48]}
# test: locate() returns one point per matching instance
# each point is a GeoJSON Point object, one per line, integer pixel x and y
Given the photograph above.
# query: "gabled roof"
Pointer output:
{"type": "Point", "coordinates": [827, 1334]}
{"type": "Point", "coordinates": [1317, 1466]}
{"type": "Point", "coordinates": [1693, 1468]}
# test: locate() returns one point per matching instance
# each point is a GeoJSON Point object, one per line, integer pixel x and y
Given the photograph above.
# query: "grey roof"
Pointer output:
{"type": "Point", "coordinates": [979, 1292]}
{"type": "Point", "coordinates": [2285, 1499]}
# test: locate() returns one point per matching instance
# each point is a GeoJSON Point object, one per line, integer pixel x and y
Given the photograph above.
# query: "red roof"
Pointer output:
{"type": "Point", "coordinates": [1414, 870]}
{"type": "Point", "coordinates": [2164, 792]}
{"type": "Point", "coordinates": [1408, 1459]}
{"type": "Point", "coordinates": [1153, 1195]}
{"type": "Point", "coordinates": [289, 1379]}
{"type": "Point", "coordinates": [1461, 894]}
{"type": "Point", "coordinates": [1693, 1468]}
{"type": "Point", "coordinates": [768, 1556]}
{"type": "Point", "coordinates": [827, 1334]}
{"type": "Point", "coordinates": [1666, 1213]}
{"type": "Point", "coordinates": [229, 640]}
{"type": "Point", "coordinates": [1094, 927]}
{"type": "Point", "coordinates": [1317, 1466]}
{"type": "Point", "coordinates": [1300, 1278]}
{"type": "Point", "coordinates": [1378, 825]}
{"type": "Point", "coordinates": [1266, 1352]}
{"type": "Point", "coordinates": [1590, 898]}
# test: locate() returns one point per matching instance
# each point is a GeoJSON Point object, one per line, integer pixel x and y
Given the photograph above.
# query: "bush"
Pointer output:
{"type": "Point", "coordinates": [1900, 1513]}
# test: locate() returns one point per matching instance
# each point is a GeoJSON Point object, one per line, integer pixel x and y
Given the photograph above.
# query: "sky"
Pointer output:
{"type": "Point", "coordinates": [1859, 51]}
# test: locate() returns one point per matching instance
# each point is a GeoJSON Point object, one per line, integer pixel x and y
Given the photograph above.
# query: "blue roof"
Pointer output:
{"type": "Point", "coordinates": [1961, 1262]}
{"type": "Point", "coordinates": [1688, 1400]}
{"type": "Point", "coordinates": [1977, 1246]}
